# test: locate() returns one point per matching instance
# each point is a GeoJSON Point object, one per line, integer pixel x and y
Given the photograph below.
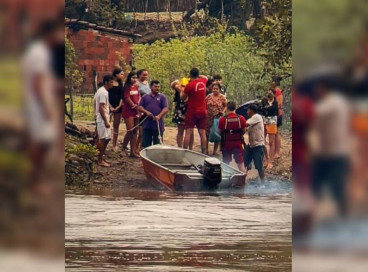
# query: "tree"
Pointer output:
{"type": "Point", "coordinates": [102, 12]}
{"type": "Point", "coordinates": [273, 35]}
{"type": "Point", "coordinates": [73, 77]}
{"type": "Point", "coordinates": [227, 54]}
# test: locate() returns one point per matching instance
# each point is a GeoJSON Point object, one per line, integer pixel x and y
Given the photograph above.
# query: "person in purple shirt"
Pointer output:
{"type": "Point", "coordinates": [154, 105]}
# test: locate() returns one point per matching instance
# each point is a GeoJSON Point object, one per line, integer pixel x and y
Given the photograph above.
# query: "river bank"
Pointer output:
{"type": "Point", "coordinates": [127, 173]}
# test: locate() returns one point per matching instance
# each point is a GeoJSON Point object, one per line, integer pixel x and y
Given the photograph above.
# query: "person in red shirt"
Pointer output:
{"type": "Point", "coordinates": [303, 115]}
{"type": "Point", "coordinates": [196, 113]}
{"type": "Point", "coordinates": [131, 98]}
{"type": "Point", "coordinates": [232, 129]}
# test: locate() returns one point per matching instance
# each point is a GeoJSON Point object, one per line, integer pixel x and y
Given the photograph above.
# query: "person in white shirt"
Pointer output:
{"type": "Point", "coordinates": [143, 83]}
{"type": "Point", "coordinates": [102, 117]}
{"type": "Point", "coordinates": [331, 155]}
{"type": "Point", "coordinates": [255, 149]}
{"type": "Point", "coordinates": [143, 88]}
{"type": "Point", "coordinates": [40, 101]}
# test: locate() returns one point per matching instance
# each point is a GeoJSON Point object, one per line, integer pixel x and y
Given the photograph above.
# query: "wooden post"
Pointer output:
{"type": "Point", "coordinates": [94, 81]}
{"type": "Point", "coordinates": [71, 95]}
{"type": "Point", "coordinates": [222, 10]}
{"type": "Point", "coordinates": [145, 11]}
{"type": "Point", "coordinates": [169, 9]}
{"type": "Point", "coordinates": [158, 11]}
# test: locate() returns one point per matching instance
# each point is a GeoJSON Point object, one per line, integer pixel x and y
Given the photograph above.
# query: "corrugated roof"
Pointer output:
{"type": "Point", "coordinates": [73, 22]}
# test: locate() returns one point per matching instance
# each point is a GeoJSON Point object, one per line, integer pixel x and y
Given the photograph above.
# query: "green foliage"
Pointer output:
{"type": "Point", "coordinates": [227, 54]}
{"type": "Point", "coordinates": [273, 35]}
{"type": "Point", "coordinates": [73, 77]}
{"type": "Point", "coordinates": [79, 164]}
{"type": "Point", "coordinates": [202, 24]}
{"type": "Point", "coordinates": [83, 150]}
{"type": "Point", "coordinates": [325, 33]}
{"type": "Point", "coordinates": [10, 85]}
{"type": "Point", "coordinates": [231, 55]}
{"type": "Point", "coordinates": [83, 107]}
{"type": "Point", "coordinates": [122, 63]}
{"type": "Point", "coordinates": [13, 163]}
{"type": "Point", "coordinates": [102, 12]}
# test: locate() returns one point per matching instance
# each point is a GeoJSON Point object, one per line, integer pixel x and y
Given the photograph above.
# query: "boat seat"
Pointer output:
{"type": "Point", "coordinates": [187, 171]}
{"type": "Point", "coordinates": [177, 164]}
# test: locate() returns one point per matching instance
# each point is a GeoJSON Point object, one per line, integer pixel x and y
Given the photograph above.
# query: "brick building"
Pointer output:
{"type": "Point", "coordinates": [20, 20]}
{"type": "Point", "coordinates": [96, 49]}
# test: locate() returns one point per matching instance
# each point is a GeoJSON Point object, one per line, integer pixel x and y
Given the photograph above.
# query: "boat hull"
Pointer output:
{"type": "Point", "coordinates": [174, 169]}
{"type": "Point", "coordinates": [159, 175]}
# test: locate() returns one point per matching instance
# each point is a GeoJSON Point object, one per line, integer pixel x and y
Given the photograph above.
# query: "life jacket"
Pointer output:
{"type": "Point", "coordinates": [232, 131]}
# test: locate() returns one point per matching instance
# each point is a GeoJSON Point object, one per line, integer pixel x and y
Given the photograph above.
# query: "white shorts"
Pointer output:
{"type": "Point", "coordinates": [103, 132]}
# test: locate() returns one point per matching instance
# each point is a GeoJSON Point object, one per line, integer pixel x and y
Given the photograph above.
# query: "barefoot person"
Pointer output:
{"type": "Point", "coordinates": [270, 119]}
{"type": "Point", "coordinates": [280, 101]}
{"type": "Point", "coordinates": [131, 98]}
{"type": "Point", "coordinates": [196, 114]}
{"type": "Point", "coordinates": [116, 103]}
{"type": "Point", "coordinates": [102, 120]}
{"type": "Point", "coordinates": [179, 112]}
{"type": "Point", "coordinates": [255, 150]}
{"type": "Point", "coordinates": [155, 107]}
{"type": "Point", "coordinates": [41, 112]}
{"type": "Point", "coordinates": [232, 129]}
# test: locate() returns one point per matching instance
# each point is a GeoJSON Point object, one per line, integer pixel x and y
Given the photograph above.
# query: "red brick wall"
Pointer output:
{"type": "Point", "coordinates": [12, 13]}
{"type": "Point", "coordinates": [96, 51]}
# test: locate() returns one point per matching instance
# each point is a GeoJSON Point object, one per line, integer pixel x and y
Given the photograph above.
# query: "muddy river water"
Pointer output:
{"type": "Point", "coordinates": [158, 231]}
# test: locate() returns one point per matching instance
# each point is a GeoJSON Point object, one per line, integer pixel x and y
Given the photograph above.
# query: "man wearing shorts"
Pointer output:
{"type": "Point", "coordinates": [232, 129]}
{"type": "Point", "coordinates": [102, 117]}
{"type": "Point", "coordinates": [196, 113]}
{"type": "Point", "coordinates": [255, 150]}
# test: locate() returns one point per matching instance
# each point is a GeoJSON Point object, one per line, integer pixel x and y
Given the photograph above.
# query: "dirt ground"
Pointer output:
{"type": "Point", "coordinates": [128, 172]}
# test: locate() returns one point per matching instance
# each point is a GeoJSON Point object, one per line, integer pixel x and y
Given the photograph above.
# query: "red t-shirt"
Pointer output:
{"type": "Point", "coordinates": [302, 117]}
{"type": "Point", "coordinates": [132, 93]}
{"type": "Point", "coordinates": [232, 123]}
{"type": "Point", "coordinates": [278, 92]}
{"type": "Point", "coordinates": [196, 91]}
{"type": "Point", "coordinates": [280, 100]}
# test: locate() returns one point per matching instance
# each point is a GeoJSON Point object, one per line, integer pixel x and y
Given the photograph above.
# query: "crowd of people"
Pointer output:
{"type": "Point", "coordinates": [199, 102]}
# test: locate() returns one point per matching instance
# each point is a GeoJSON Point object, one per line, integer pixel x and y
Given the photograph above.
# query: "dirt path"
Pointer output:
{"type": "Point", "coordinates": [126, 172]}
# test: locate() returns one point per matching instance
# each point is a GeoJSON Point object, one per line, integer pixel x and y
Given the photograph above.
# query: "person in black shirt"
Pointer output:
{"type": "Point", "coordinates": [210, 81]}
{"type": "Point", "coordinates": [270, 110]}
{"type": "Point", "coordinates": [116, 103]}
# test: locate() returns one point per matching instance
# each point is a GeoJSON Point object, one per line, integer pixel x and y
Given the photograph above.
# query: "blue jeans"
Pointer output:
{"type": "Point", "coordinates": [256, 155]}
{"type": "Point", "coordinates": [150, 136]}
{"type": "Point", "coordinates": [331, 172]}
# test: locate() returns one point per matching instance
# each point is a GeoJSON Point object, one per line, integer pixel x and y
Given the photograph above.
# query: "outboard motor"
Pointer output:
{"type": "Point", "coordinates": [212, 173]}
